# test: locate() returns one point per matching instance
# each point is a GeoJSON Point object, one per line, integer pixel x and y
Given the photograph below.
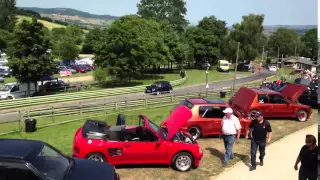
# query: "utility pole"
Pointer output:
{"type": "Point", "coordinates": [278, 60]}
{"type": "Point", "coordinates": [281, 64]}
{"type": "Point", "coordinates": [262, 53]}
{"type": "Point", "coordinates": [295, 52]}
{"type": "Point", "coordinates": [235, 69]}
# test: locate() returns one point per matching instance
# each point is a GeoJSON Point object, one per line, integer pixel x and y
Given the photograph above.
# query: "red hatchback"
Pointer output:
{"type": "Point", "coordinates": [146, 143]}
{"type": "Point", "coordinates": [207, 117]}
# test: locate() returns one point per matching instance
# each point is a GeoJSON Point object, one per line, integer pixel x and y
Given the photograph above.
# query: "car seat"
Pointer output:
{"type": "Point", "coordinates": [121, 120]}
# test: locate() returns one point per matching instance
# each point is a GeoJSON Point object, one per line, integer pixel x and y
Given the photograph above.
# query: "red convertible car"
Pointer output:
{"type": "Point", "coordinates": [207, 117]}
{"type": "Point", "coordinates": [146, 143]}
{"type": "Point", "coordinates": [272, 104]}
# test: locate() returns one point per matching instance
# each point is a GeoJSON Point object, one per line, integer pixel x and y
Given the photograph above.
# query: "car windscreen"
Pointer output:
{"type": "Point", "coordinates": [224, 64]}
{"type": "Point", "coordinates": [51, 163]}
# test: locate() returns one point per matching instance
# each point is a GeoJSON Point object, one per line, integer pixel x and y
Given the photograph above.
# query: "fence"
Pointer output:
{"type": "Point", "coordinates": [65, 114]}
{"type": "Point", "coordinates": [50, 99]}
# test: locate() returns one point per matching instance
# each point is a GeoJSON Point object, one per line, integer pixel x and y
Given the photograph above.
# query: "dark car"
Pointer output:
{"type": "Point", "coordinates": [86, 67]}
{"type": "Point", "coordinates": [79, 69]}
{"type": "Point", "coordinates": [56, 85]}
{"type": "Point", "coordinates": [37, 160]}
{"type": "Point", "coordinates": [159, 87]}
{"type": "Point", "coordinates": [310, 96]}
{"type": "Point", "coordinates": [5, 73]}
{"type": "Point", "coordinates": [244, 67]}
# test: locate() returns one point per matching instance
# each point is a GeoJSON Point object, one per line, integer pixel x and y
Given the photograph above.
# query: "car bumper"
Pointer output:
{"type": "Point", "coordinates": [197, 159]}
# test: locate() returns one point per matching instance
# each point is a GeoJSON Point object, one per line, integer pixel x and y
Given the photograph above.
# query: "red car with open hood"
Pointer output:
{"type": "Point", "coordinates": [271, 103]}
{"type": "Point", "coordinates": [207, 117]}
{"type": "Point", "coordinates": [146, 143]}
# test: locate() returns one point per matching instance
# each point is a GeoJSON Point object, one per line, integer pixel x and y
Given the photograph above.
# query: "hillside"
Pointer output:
{"type": "Point", "coordinates": [300, 29]}
{"type": "Point", "coordinates": [49, 25]}
{"type": "Point", "coordinates": [72, 16]}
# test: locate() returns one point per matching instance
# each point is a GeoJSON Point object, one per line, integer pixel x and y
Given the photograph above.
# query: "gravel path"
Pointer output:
{"type": "Point", "coordinates": [78, 79]}
{"type": "Point", "coordinates": [278, 162]}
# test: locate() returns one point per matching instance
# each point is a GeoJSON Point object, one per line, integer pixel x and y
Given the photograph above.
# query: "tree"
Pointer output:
{"type": "Point", "coordinates": [100, 74]}
{"type": "Point", "coordinates": [76, 33]}
{"type": "Point", "coordinates": [250, 35]}
{"type": "Point", "coordinates": [310, 43]}
{"type": "Point", "coordinates": [130, 45]}
{"type": "Point", "coordinates": [287, 40]}
{"type": "Point", "coordinates": [28, 55]}
{"type": "Point", "coordinates": [172, 11]}
{"type": "Point", "coordinates": [204, 44]}
{"type": "Point", "coordinates": [8, 14]}
{"type": "Point", "coordinates": [5, 37]}
{"type": "Point", "coordinates": [66, 49]}
{"type": "Point", "coordinates": [92, 37]}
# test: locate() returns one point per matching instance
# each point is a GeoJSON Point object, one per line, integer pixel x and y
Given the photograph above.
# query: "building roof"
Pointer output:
{"type": "Point", "coordinates": [19, 148]}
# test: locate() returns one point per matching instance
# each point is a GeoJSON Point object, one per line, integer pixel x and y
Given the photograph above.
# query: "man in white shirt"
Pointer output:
{"type": "Point", "coordinates": [230, 132]}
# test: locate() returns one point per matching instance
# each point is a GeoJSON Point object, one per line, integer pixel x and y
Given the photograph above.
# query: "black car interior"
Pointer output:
{"type": "Point", "coordinates": [94, 129]}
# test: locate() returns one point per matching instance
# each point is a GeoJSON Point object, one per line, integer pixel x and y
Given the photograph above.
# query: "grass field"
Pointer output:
{"type": "Point", "coordinates": [47, 24]}
{"type": "Point", "coordinates": [61, 136]}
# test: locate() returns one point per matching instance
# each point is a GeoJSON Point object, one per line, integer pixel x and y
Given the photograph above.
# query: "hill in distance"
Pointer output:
{"type": "Point", "coordinates": [73, 16]}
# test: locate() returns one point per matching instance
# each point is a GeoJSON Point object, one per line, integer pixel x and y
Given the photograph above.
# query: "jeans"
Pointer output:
{"type": "Point", "coordinates": [228, 145]}
{"type": "Point", "coordinates": [305, 174]}
{"type": "Point", "coordinates": [254, 148]}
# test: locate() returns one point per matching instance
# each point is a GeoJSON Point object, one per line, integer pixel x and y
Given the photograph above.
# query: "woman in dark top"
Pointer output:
{"type": "Point", "coordinates": [308, 157]}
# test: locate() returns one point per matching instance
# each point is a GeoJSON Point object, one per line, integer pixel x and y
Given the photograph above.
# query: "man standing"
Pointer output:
{"type": "Point", "coordinates": [259, 131]}
{"type": "Point", "coordinates": [230, 128]}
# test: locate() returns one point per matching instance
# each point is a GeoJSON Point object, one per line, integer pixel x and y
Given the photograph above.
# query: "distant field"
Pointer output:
{"type": "Point", "coordinates": [47, 24]}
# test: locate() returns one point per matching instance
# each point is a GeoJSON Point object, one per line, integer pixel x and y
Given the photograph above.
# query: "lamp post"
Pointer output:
{"type": "Point", "coordinates": [235, 69]}
{"type": "Point", "coordinates": [278, 61]}
{"type": "Point", "coordinates": [207, 83]}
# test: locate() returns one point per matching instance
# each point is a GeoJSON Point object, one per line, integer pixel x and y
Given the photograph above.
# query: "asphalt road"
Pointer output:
{"type": "Point", "coordinates": [14, 116]}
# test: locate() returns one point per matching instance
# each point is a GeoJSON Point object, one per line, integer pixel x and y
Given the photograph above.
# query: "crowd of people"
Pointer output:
{"type": "Point", "coordinates": [310, 75]}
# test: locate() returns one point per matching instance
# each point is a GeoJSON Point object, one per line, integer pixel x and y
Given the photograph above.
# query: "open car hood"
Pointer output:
{"type": "Point", "coordinates": [243, 99]}
{"type": "Point", "coordinates": [292, 92]}
{"type": "Point", "coordinates": [177, 118]}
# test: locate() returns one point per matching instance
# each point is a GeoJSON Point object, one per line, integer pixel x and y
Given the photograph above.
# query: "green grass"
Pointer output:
{"type": "Point", "coordinates": [49, 25]}
{"type": "Point", "coordinates": [61, 136]}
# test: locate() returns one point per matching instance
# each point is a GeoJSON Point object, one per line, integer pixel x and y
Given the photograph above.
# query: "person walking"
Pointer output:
{"type": "Point", "coordinates": [230, 132]}
{"type": "Point", "coordinates": [308, 157]}
{"type": "Point", "coordinates": [260, 133]}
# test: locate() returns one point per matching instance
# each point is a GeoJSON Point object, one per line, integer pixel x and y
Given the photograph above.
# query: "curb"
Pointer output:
{"type": "Point", "coordinates": [275, 142]}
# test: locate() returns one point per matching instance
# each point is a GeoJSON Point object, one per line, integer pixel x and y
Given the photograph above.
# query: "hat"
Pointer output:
{"type": "Point", "coordinates": [228, 110]}
{"type": "Point", "coordinates": [259, 114]}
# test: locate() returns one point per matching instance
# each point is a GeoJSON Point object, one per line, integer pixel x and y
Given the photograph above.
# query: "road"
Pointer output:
{"type": "Point", "coordinates": [14, 116]}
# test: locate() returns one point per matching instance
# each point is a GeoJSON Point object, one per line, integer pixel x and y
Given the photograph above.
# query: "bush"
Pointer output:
{"type": "Point", "coordinates": [100, 74]}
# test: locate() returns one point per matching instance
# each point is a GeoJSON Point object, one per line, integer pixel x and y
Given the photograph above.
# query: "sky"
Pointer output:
{"type": "Point", "coordinates": [277, 12]}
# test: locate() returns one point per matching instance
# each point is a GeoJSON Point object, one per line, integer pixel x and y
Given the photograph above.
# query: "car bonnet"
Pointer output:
{"type": "Point", "coordinates": [293, 91]}
{"type": "Point", "coordinates": [177, 118]}
{"type": "Point", "coordinates": [242, 101]}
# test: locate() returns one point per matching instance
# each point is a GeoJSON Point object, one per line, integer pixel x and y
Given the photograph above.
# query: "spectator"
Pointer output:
{"type": "Point", "coordinates": [259, 130]}
{"type": "Point", "coordinates": [230, 128]}
{"type": "Point", "coordinates": [308, 157]}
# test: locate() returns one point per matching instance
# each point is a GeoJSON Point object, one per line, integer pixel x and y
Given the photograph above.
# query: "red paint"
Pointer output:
{"type": "Point", "coordinates": [138, 152]}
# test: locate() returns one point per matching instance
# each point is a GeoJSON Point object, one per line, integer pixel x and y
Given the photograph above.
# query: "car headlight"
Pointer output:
{"type": "Point", "coordinates": [153, 89]}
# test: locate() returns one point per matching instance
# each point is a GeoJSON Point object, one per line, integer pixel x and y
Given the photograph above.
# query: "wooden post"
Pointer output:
{"type": "Point", "coordinates": [21, 115]}
{"type": "Point", "coordinates": [80, 105]}
{"type": "Point", "coordinates": [116, 106]}
{"type": "Point", "coordinates": [126, 103]}
{"type": "Point", "coordinates": [52, 114]}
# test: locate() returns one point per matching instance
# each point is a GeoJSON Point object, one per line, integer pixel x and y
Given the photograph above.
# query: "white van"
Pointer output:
{"type": "Point", "coordinates": [16, 90]}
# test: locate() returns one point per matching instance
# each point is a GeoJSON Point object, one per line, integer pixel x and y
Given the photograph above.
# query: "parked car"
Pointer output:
{"type": "Point", "coordinates": [1, 79]}
{"type": "Point", "coordinates": [273, 68]}
{"type": "Point", "coordinates": [203, 65]}
{"type": "Point", "coordinates": [159, 87]}
{"type": "Point", "coordinates": [146, 143]}
{"type": "Point", "coordinates": [5, 73]}
{"type": "Point", "coordinates": [37, 160]}
{"type": "Point", "coordinates": [15, 90]}
{"type": "Point", "coordinates": [63, 71]}
{"type": "Point", "coordinates": [56, 85]}
{"type": "Point", "coordinates": [223, 65]}
{"type": "Point", "coordinates": [244, 67]}
{"type": "Point", "coordinates": [272, 104]}
{"type": "Point", "coordinates": [79, 69]}
{"type": "Point", "coordinates": [86, 67]}
{"type": "Point", "coordinates": [207, 117]}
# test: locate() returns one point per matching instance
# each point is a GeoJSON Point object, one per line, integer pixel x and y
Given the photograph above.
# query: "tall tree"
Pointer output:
{"type": "Point", "coordinates": [287, 40]}
{"type": "Point", "coordinates": [8, 14]}
{"type": "Point", "coordinates": [5, 37]}
{"type": "Point", "coordinates": [28, 53]}
{"type": "Point", "coordinates": [93, 36]}
{"type": "Point", "coordinates": [66, 49]}
{"type": "Point", "coordinates": [130, 45]}
{"type": "Point", "coordinates": [250, 35]}
{"type": "Point", "coordinates": [310, 43]}
{"type": "Point", "coordinates": [172, 11]}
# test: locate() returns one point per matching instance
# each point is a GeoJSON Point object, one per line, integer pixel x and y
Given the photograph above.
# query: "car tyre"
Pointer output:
{"type": "Point", "coordinates": [96, 157]}
{"type": "Point", "coordinates": [302, 115]}
{"type": "Point", "coordinates": [182, 161]}
{"type": "Point", "coordinates": [158, 93]}
{"type": "Point", "coordinates": [195, 132]}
